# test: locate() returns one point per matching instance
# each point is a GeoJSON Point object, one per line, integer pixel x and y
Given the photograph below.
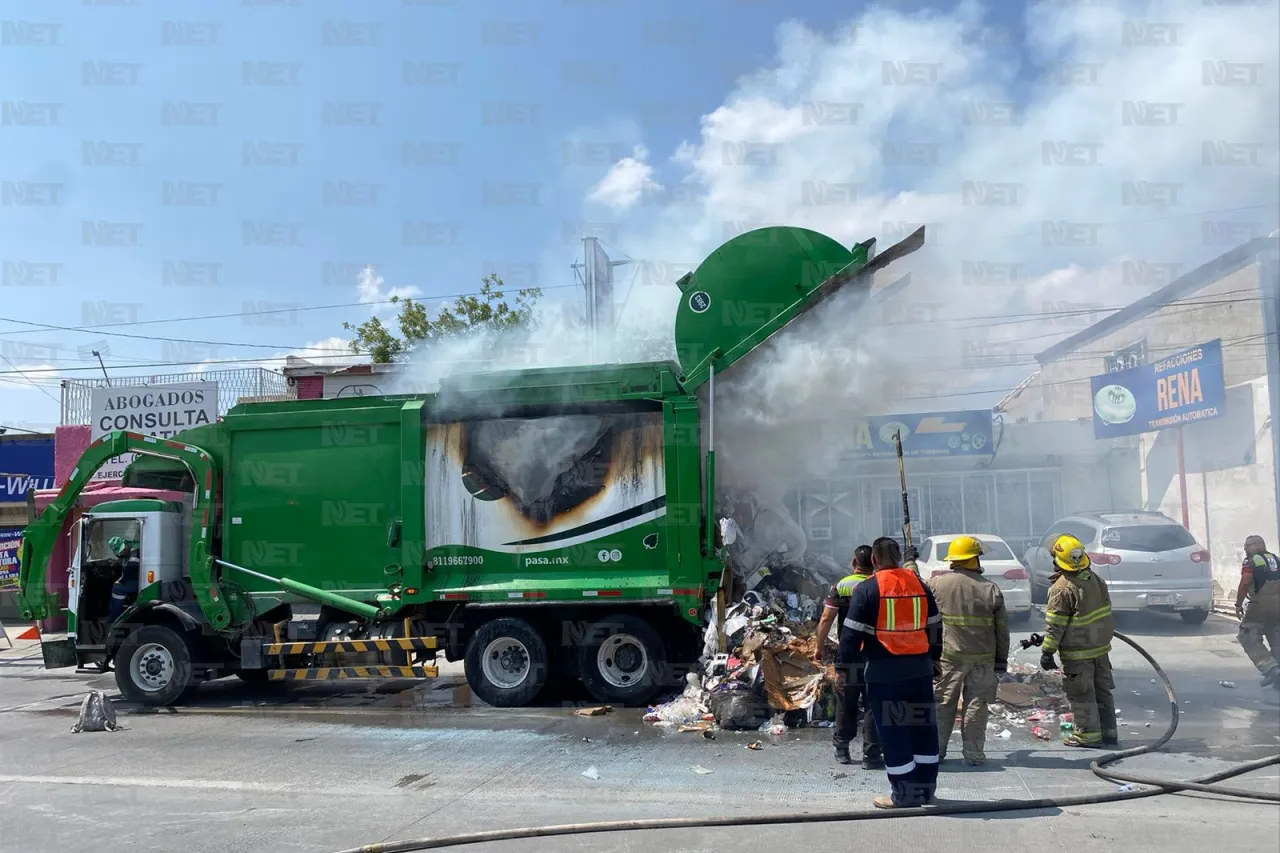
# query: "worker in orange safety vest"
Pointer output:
{"type": "Point", "coordinates": [894, 625]}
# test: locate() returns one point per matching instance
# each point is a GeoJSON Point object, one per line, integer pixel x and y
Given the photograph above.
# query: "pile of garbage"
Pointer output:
{"type": "Point", "coordinates": [768, 681]}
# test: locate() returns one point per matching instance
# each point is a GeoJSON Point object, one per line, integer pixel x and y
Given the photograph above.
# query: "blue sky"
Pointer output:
{"type": "Point", "coordinates": [85, 140]}
{"type": "Point", "coordinates": [597, 76]}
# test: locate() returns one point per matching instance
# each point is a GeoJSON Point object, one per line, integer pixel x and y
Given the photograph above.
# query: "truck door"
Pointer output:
{"type": "Point", "coordinates": [74, 585]}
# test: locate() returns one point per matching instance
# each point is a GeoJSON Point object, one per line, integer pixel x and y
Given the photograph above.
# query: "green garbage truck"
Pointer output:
{"type": "Point", "coordinates": [538, 524]}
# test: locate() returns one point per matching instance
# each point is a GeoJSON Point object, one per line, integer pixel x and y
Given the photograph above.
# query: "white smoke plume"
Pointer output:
{"type": "Point", "coordinates": [1118, 152]}
{"type": "Point", "coordinates": [1061, 176]}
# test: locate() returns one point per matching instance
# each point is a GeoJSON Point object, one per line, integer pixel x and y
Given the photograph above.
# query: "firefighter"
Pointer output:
{"type": "Point", "coordinates": [849, 685]}
{"type": "Point", "coordinates": [1079, 627]}
{"type": "Point", "coordinates": [893, 624]}
{"type": "Point", "coordinates": [975, 647]}
{"type": "Point", "coordinates": [1258, 606]}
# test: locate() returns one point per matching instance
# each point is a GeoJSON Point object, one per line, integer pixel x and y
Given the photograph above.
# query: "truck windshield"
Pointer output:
{"type": "Point", "coordinates": [103, 530]}
{"type": "Point", "coordinates": [1148, 537]}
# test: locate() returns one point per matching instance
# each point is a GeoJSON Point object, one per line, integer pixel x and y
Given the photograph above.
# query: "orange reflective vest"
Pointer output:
{"type": "Point", "coordinates": [904, 609]}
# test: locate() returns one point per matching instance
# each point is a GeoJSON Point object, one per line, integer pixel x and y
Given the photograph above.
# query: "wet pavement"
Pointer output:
{"type": "Point", "coordinates": [316, 767]}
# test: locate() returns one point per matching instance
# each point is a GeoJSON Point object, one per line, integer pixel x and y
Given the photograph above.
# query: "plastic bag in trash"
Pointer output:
{"type": "Point", "coordinates": [739, 710]}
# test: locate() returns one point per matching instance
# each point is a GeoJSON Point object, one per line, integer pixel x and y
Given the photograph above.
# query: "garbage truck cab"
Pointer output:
{"type": "Point", "coordinates": [150, 535]}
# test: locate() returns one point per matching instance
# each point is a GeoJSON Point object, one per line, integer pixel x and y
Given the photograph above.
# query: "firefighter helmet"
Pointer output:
{"type": "Point", "coordinates": [1069, 555]}
{"type": "Point", "coordinates": [963, 548]}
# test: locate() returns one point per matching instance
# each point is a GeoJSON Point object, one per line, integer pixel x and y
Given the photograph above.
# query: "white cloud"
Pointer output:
{"type": "Point", "coordinates": [626, 182]}
{"type": "Point", "coordinates": [370, 290]}
{"type": "Point", "coordinates": [1113, 160]}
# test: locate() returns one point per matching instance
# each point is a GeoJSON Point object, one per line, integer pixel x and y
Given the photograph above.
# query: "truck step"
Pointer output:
{"type": "Point", "coordinates": [331, 673]}
{"type": "Point", "coordinates": [403, 644]}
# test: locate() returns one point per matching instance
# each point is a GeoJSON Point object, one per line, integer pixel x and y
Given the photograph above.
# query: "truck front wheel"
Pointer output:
{"type": "Point", "coordinates": [622, 660]}
{"type": "Point", "coordinates": [153, 666]}
{"type": "Point", "coordinates": [506, 663]}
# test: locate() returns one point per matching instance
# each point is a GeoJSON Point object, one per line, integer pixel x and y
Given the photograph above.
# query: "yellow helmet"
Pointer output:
{"type": "Point", "coordinates": [1069, 555]}
{"type": "Point", "coordinates": [963, 548]}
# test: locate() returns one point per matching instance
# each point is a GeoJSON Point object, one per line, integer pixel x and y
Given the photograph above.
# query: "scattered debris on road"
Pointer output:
{"type": "Point", "coordinates": [591, 773]}
{"type": "Point", "coordinates": [598, 711]}
{"type": "Point", "coordinates": [702, 771]}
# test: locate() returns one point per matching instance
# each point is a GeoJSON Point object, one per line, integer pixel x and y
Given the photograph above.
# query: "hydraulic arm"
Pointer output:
{"type": "Point", "coordinates": [39, 538]}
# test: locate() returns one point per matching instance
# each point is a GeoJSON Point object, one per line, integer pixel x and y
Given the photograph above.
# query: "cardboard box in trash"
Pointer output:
{"type": "Point", "coordinates": [792, 681]}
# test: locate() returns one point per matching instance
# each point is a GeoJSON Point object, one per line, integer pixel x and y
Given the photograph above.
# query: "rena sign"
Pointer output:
{"type": "Point", "coordinates": [1183, 388]}
{"type": "Point", "coordinates": [159, 410]}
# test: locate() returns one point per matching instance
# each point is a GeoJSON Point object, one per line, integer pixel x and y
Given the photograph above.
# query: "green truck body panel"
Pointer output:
{"type": "Point", "coordinates": [554, 485]}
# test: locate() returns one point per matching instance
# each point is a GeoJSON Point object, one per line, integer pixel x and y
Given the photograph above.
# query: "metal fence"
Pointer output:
{"type": "Point", "coordinates": [77, 394]}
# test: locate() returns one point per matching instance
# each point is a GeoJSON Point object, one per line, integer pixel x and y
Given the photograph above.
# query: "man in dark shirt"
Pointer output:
{"type": "Point", "coordinates": [849, 687]}
{"type": "Point", "coordinates": [894, 625]}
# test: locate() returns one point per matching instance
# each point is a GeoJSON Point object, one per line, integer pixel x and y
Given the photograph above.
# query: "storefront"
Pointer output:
{"type": "Point", "coordinates": [26, 465]}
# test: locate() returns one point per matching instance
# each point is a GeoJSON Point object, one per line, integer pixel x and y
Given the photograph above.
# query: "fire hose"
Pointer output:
{"type": "Point", "coordinates": [1204, 784]}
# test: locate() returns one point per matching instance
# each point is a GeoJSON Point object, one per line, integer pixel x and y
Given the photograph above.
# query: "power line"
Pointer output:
{"type": "Point", "coordinates": [41, 388]}
{"type": "Point", "coordinates": [263, 312]}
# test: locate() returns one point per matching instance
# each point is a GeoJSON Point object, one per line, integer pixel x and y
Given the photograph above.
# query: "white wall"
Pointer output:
{"type": "Point", "coordinates": [1229, 308]}
{"type": "Point", "coordinates": [1230, 470]}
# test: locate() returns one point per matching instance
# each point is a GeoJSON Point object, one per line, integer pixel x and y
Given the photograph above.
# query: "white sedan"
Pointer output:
{"type": "Point", "coordinates": [998, 564]}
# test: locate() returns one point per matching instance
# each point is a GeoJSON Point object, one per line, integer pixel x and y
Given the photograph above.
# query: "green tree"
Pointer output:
{"type": "Point", "coordinates": [486, 312]}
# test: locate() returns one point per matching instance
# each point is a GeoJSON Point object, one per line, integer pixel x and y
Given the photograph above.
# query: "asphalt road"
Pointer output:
{"type": "Point", "coordinates": [319, 768]}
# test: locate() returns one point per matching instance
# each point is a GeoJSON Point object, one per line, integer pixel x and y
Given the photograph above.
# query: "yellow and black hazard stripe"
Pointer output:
{"type": "Point", "coordinates": [331, 673]}
{"type": "Point", "coordinates": [403, 644]}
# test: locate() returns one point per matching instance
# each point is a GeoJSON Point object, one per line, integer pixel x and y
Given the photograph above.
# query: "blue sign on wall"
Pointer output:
{"type": "Point", "coordinates": [25, 464]}
{"type": "Point", "coordinates": [1180, 389]}
{"type": "Point", "coordinates": [927, 434]}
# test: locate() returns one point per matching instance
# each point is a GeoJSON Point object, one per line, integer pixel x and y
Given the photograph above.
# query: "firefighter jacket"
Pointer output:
{"type": "Point", "coordinates": [975, 628]}
{"type": "Point", "coordinates": [1078, 622]}
{"type": "Point", "coordinates": [1262, 572]}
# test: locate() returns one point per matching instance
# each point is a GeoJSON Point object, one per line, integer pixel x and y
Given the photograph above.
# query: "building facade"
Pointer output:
{"type": "Point", "coordinates": [1229, 463]}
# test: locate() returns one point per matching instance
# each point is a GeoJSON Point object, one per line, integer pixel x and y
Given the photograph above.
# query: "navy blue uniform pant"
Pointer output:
{"type": "Point", "coordinates": [907, 725]}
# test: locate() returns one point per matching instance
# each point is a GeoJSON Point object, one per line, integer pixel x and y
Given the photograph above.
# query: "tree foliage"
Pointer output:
{"type": "Point", "coordinates": [485, 312]}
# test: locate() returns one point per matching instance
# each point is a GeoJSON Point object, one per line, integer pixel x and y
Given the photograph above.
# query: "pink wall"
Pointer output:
{"type": "Point", "coordinates": [68, 443]}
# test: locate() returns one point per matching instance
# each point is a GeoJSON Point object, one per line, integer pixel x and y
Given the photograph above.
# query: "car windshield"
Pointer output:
{"type": "Point", "coordinates": [994, 549]}
{"type": "Point", "coordinates": [1148, 537]}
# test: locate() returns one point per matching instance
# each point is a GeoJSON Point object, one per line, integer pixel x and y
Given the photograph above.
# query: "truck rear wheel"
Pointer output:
{"type": "Point", "coordinates": [623, 660]}
{"type": "Point", "coordinates": [153, 666]}
{"type": "Point", "coordinates": [506, 663]}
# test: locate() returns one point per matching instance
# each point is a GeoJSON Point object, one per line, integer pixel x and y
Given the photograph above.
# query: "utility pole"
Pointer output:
{"type": "Point", "coordinates": [595, 273]}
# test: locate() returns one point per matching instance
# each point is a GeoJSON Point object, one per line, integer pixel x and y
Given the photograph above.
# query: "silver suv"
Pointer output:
{"type": "Point", "coordinates": [1149, 561]}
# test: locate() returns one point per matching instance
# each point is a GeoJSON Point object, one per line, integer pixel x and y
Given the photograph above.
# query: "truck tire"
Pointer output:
{"type": "Point", "coordinates": [507, 663]}
{"type": "Point", "coordinates": [153, 666]}
{"type": "Point", "coordinates": [622, 661]}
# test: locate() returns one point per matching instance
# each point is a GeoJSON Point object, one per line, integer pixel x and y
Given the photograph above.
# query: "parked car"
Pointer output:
{"type": "Point", "coordinates": [998, 564]}
{"type": "Point", "coordinates": [1149, 561]}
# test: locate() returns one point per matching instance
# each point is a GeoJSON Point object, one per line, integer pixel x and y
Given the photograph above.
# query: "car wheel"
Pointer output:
{"type": "Point", "coordinates": [507, 663]}
{"type": "Point", "coordinates": [1194, 617]}
{"type": "Point", "coordinates": [622, 661]}
{"type": "Point", "coordinates": [153, 666]}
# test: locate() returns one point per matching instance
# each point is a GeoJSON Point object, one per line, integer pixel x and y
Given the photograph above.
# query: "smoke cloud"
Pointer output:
{"type": "Point", "coordinates": [1062, 170]}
